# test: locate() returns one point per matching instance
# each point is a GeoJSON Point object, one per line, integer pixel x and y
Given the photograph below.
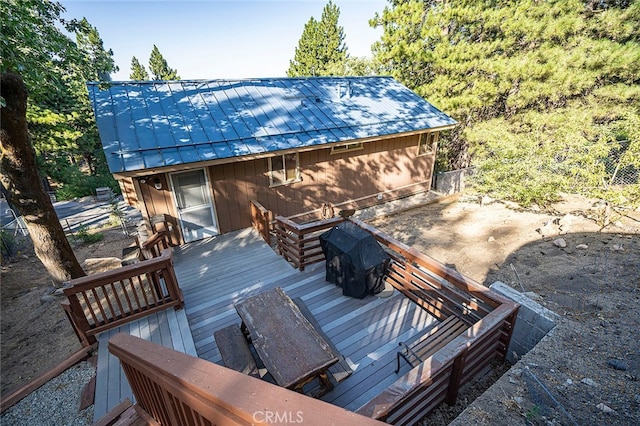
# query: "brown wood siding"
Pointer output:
{"type": "Point", "coordinates": [128, 190]}
{"type": "Point", "coordinates": [351, 179]}
{"type": "Point", "coordinates": [160, 201]}
{"type": "Point", "coordinates": [391, 167]}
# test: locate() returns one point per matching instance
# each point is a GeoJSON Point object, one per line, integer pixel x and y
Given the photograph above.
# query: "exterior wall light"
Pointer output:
{"type": "Point", "coordinates": [157, 183]}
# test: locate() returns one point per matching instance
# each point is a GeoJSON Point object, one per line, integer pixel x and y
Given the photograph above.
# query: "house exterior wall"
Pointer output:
{"type": "Point", "coordinates": [351, 179]}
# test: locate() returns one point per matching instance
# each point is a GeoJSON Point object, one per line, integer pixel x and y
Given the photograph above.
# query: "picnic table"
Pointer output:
{"type": "Point", "coordinates": [289, 346]}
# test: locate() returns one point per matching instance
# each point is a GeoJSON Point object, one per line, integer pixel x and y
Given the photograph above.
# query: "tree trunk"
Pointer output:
{"type": "Point", "coordinates": [20, 179]}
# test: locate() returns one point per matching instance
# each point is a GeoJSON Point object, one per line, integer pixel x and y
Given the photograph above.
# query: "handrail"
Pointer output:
{"type": "Point", "coordinates": [300, 244]}
{"type": "Point", "coordinates": [441, 291]}
{"type": "Point", "coordinates": [102, 301]}
{"type": "Point", "coordinates": [154, 245]}
{"type": "Point", "coordinates": [260, 220]}
{"type": "Point", "coordinates": [176, 389]}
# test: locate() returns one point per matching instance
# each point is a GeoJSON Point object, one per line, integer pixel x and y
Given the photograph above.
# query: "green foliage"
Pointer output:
{"type": "Point", "coordinates": [33, 45]}
{"type": "Point", "coordinates": [78, 184]}
{"type": "Point", "coordinates": [7, 244]}
{"type": "Point", "coordinates": [138, 71]}
{"type": "Point", "coordinates": [55, 70]}
{"type": "Point", "coordinates": [86, 237]}
{"type": "Point", "coordinates": [321, 49]}
{"type": "Point", "coordinates": [159, 68]}
{"type": "Point", "coordinates": [546, 93]}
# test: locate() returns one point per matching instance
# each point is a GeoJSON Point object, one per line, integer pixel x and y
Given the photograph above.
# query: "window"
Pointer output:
{"type": "Point", "coordinates": [283, 169]}
{"type": "Point", "coordinates": [348, 147]}
{"type": "Point", "coordinates": [428, 143]}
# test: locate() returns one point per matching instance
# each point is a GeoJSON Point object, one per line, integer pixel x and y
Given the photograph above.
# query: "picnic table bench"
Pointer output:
{"type": "Point", "coordinates": [235, 350]}
{"type": "Point", "coordinates": [431, 342]}
{"type": "Point", "coordinates": [339, 371]}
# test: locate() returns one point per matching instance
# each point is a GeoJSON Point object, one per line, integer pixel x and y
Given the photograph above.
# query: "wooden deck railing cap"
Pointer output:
{"type": "Point", "coordinates": [221, 395]}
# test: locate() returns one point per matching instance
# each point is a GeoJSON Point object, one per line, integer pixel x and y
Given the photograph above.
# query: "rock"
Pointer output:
{"type": "Point", "coordinates": [48, 298]}
{"type": "Point", "coordinates": [566, 221]}
{"type": "Point", "coordinates": [560, 242]}
{"type": "Point", "coordinates": [582, 247]}
{"type": "Point", "coordinates": [605, 408]}
{"type": "Point", "coordinates": [616, 247]}
{"type": "Point", "coordinates": [491, 239]}
{"type": "Point", "coordinates": [569, 382]}
{"type": "Point", "coordinates": [587, 381]}
{"type": "Point", "coordinates": [518, 400]}
{"type": "Point", "coordinates": [618, 364]}
{"type": "Point", "coordinates": [59, 292]}
{"type": "Point", "coordinates": [547, 229]}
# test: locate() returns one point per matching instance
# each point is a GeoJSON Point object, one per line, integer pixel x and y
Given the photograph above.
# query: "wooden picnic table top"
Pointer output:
{"type": "Point", "coordinates": [288, 345]}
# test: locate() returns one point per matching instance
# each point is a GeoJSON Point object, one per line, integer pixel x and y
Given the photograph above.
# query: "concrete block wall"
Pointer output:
{"type": "Point", "coordinates": [533, 323]}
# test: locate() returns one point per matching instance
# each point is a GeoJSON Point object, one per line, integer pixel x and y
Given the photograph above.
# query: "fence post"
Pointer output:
{"type": "Point", "coordinates": [456, 377]}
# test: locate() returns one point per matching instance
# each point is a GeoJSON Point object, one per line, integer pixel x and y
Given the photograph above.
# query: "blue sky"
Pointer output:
{"type": "Point", "coordinates": [218, 39]}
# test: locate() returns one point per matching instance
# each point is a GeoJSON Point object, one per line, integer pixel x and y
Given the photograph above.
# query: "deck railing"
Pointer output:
{"type": "Point", "coordinates": [300, 244]}
{"type": "Point", "coordinates": [99, 302]}
{"type": "Point", "coordinates": [178, 389]}
{"type": "Point", "coordinates": [260, 220]}
{"type": "Point", "coordinates": [441, 291]}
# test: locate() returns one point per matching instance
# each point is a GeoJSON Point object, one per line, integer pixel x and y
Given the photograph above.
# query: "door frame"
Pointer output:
{"type": "Point", "coordinates": [209, 193]}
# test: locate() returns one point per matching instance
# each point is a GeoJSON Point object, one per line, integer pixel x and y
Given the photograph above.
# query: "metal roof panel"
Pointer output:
{"type": "Point", "coordinates": [154, 124]}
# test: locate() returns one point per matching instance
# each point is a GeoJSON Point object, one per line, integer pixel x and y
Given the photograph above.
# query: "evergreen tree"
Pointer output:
{"type": "Point", "coordinates": [321, 49]}
{"type": "Point", "coordinates": [159, 68]}
{"type": "Point", "coordinates": [98, 62]}
{"type": "Point", "coordinates": [38, 60]}
{"type": "Point", "coordinates": [138, 71]}
{"type": "Point", "coordinates": [543, 90]}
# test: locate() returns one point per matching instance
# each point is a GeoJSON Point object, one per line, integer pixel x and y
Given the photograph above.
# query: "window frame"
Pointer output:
{"type": "Point", "coordinates": [347, 147]}
{"type": "Point", "coordinates": [275, 181]}
{"type": "Point", "coordinates": [429, 139]}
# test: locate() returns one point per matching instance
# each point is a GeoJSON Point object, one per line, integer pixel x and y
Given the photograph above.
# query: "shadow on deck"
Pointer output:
{"type": "Point", "coordinates": [216, 273]}
{"type": "Point", "coordinates": [366, 332]}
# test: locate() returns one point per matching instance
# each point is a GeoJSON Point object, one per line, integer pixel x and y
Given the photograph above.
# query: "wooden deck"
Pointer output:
{"type": "Point", "coordinates": [167, 328]}
{"type": "Point", "coordinates": [216, 273]}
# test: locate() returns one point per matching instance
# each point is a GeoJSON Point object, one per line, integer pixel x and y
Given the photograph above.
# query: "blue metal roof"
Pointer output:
{"type": "Point", "coordinates": [153, 124]}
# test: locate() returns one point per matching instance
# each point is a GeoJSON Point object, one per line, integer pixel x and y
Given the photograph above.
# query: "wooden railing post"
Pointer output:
{"type": "Point", "coordinates": [171, 281]}
{"type": "Point", "coordinates": [78, 320]}
{"type": "Point", "coordinates": [260, 220]}
{"type": "Point", "coordinates": [456, 377]}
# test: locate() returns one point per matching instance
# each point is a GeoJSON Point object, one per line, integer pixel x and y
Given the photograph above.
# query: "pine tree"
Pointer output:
{"type": "Point", "coordinates": [321, 49]}
{"type": "Point", "coordinates": [99, 63]}
{"type": "Point", "coordinates": [159, 68]}
{"type": "Point", "coordinates": [138, 71]}
{"type": "Point", "coordinates": [543, 90]}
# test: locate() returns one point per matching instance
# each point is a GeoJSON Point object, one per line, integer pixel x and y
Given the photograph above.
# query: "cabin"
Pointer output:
{"type": "Point", "coordinates": [197, 153]}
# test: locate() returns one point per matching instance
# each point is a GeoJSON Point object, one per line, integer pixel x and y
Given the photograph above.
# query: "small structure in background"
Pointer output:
{"type": "Point", "coordinates": [104, 194]}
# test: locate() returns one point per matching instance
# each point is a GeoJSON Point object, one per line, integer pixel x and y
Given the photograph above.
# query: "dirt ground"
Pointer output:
{"type": "Point", "coordinates": [36, 334]}
{"type": "Point", "coordinates": [594, 282]}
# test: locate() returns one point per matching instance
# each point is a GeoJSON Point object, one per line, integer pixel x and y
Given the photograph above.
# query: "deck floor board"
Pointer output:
{"type": "Point", "coordinates": [216, 273]}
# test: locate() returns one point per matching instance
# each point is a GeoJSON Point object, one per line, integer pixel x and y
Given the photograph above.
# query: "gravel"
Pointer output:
{"type": "Point", "coordinates": [56, 402]}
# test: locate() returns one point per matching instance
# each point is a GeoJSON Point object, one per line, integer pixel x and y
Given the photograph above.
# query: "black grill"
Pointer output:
{"type": "Point", "coordinates": [355, 260]}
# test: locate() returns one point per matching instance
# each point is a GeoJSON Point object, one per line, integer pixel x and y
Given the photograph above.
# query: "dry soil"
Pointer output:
{"type": "Point", "coordinates": [592, 282]}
